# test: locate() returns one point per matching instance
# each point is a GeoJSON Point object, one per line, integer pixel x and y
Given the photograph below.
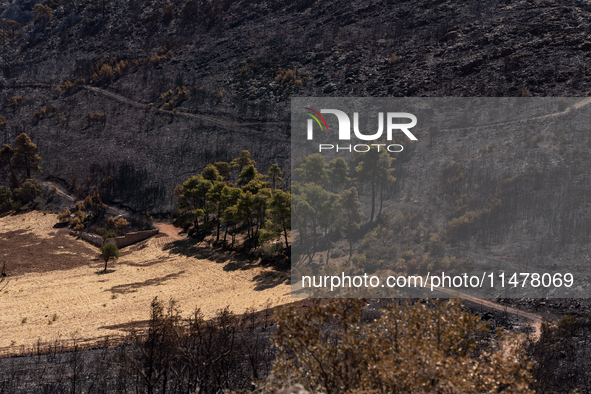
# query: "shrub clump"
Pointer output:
{"type": "Point", "coordinates": [420, 348]}
{"type": "Point", "coordinates": [290, 77]}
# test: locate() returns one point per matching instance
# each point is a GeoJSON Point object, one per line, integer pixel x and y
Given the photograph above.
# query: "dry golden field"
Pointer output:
{"type": "Point", "coordinates": [55, 287]}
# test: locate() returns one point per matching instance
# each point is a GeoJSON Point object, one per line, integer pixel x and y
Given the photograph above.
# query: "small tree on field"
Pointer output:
{"type": "Point", "coordinates": [108, 252]}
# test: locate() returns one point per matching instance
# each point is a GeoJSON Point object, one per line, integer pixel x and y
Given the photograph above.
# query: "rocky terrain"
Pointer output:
{"type": "Point", "coordinates": [148, 92]}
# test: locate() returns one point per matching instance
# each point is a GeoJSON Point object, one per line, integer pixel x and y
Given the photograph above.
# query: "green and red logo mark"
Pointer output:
{"type": "Point", "coordinates": [315, 115]}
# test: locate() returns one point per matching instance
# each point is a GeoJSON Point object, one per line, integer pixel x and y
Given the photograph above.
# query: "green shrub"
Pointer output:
{"type": "Point", "coordinates": [5, 199]}
{"type": "Point", "coordinates": [268, 251]}
{"type": "Point", "coordinates": [28, 191]}
{"type": "Point", "coordinates": [567, 323]}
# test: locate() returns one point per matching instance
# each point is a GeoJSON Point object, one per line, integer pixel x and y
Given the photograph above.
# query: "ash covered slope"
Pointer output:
{"type": "Point", "coordinates": [164, 88]}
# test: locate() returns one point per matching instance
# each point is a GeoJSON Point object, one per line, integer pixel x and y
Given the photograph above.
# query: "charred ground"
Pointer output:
{"type": "Point", "coordinates": [134, 97]}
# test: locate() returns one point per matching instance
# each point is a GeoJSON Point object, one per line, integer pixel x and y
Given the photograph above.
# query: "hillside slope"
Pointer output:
{"type": "Point", "coordinates": [164, 88]}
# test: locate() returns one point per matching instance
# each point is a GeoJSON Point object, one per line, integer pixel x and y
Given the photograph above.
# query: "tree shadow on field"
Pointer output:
{"type": "Point", "coordinates": [103, 272]}
{"type": "Point", "coordinates": [132, 287]}
{"type": "Point", "coordinates": [204, 251]}
{"type": "Point", "coordinates": [129, 327]}
{"type": "Point", "coordinates": [268, 279]}
{"type": "Point", "coordinates": [233, 261]}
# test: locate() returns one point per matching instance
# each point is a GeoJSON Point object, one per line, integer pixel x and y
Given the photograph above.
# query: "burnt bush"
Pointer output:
{"type": "Point", "coordinates": [172, 355]}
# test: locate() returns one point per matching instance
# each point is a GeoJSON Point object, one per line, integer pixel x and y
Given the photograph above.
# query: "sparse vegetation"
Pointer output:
{"type": "Point", "coordinates": [13, 28]}
{"type": "Point", "coordinates": [473, 220]}
{"type": "Point", "coordinates": [290, 77]}
{"type": "Point", "coordinates": [171, 99]}
{"type": "Point", "coordinates": [96, 117]}
{"type": "Point", "coordinates": [43, 112]}
{"type": "Point", "coordinates": [393, 59]}
{"type": "Point", "coordinates": [523, 92]}
{"type": "Point", "coordinates": [120, 224]}
{"type": "Point", "coordinates": [42, 12]}
{"type": "Point", "coordinates": [15, 101]}
{"type": "Point", "coordinates": [69, 86]}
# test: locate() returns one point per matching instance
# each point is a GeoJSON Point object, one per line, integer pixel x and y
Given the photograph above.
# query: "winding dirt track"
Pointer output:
{"type": "Point", "coordinates": [237, 124]}
{"type": "Point", "coordinates": [579, 104]}
{"type": "Point", "coordinates": [204, 118]}
{"type": "Point", "coordinates": [535, 319]}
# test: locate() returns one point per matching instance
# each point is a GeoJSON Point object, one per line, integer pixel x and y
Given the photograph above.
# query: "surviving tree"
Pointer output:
{"type": "Point", "coordinates": [351, 220]}
{"type": "Point", "coordinates": [106, 234]}
{"type": "Point", "coordinates": [25, 157]}
{"type": "Point", "coordinates": [274, 176]}
{"type": "Point", "coordinates": [281, 212]}
{"type": "Point", "coordinates": [210, 201]}
{"type": "Point", "coordinates": [30, 189]}
{"type": "Point", "coordinates": [108, 252]}
{"type": "Point", "coordinates": [374, 167]}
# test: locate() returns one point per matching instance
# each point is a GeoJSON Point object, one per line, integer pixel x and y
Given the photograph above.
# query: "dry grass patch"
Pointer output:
{"type": "Point", "coordinates": [76, 300]}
